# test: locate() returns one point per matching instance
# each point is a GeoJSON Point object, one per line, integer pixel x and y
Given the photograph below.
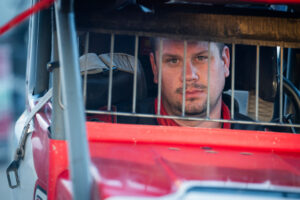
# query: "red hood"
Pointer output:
{"type": "Point", "coordinates": [155, 161]}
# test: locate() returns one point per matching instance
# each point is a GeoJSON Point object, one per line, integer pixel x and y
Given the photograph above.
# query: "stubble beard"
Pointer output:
{"type": "Point", "coordinates": [192, 108]}
{"type": "Point", "coordinates": [196, 109]}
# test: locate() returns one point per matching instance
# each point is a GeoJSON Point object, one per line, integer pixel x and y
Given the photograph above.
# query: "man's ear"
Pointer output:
{"type": "Point", "coordinates": [154, 67]}
{"type": "Point", "coordinates": [226, 60]}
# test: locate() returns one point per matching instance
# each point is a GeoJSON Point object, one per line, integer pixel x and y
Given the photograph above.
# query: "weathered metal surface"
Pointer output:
{"type": "Point", "coordinates": [228, 28]}
{"type": "Point", "coordinates": [79, 159]}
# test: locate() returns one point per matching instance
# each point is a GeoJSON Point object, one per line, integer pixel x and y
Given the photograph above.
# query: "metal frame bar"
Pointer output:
{"type": "Point", "coordinates": [112, 45]}
{"type": "Point", "coordinates": [38, 76]}
{"type": "Point", "coordinates": [208, 82]}
{"type": "Point", "coordinates": [86, 50]}
{"type": "Point", "coordinates": [257, 83]}
{"type": "Point", "coordinates": [184, 78]}
{"type": "Point", "coordinates": [75, 129]}
{"type": "Point", "coordinates": [136, 47]}
{"type": "Point", "coordinates": [232, 80]}
{"type": "Point", "coordinates": [281, 85]}
{"type": "Point", "coordinates": [60, 101]}
{"type": "Point", "coordinates": [189, 118]}
{"type": "Point", "coordinates": [43, 47]}
{"type": "Point", "coordinates": [31, 49]}
{"type": "Point", "coordinates": [159, 75]}
{"type": "Point", "coordinates": [288, 75]}
{"type": "Point", "coordinates": [57, 117]}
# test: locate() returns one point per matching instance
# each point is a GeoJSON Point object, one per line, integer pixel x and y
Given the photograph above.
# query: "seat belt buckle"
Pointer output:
{"type": "Point", "coordinates": [12, 174]}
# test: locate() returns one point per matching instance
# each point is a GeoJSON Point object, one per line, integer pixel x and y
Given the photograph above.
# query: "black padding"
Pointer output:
{"type": "Point", "coordinates": [227, 100]}
{"type": "Point", "coordinates": [97, 88]}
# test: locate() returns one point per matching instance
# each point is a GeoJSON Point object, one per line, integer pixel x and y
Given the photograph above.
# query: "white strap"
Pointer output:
{"type": "Point", "coordinates": [42, 101]}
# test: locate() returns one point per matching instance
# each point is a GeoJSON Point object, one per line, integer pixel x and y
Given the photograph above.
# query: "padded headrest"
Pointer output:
{"type": "Point", "coordinates": [97, 69]}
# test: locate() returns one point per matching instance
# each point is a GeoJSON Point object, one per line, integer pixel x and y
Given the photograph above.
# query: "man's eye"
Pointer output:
{"type": "Point", "coordinates": [173, 60]}
{"type": "Point", "coordinates": [201, 58]}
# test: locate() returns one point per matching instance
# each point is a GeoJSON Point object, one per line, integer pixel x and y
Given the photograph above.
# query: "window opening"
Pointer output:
{"type": "Point", "coordinates": [183, 116]}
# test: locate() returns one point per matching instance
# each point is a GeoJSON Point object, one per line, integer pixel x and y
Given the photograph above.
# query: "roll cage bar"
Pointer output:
{"type": "Point", "coordinates": [66, 78]}
{"type": "Point", "coordinates": [74, 118]}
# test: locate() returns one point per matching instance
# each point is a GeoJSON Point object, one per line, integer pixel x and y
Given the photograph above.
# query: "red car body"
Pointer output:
{"type": "Point", "coordinates": [156, 161]}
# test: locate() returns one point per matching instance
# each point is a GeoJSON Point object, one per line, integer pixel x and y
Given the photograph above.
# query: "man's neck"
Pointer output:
{"type": "Point", "coordinates": [204, 124]}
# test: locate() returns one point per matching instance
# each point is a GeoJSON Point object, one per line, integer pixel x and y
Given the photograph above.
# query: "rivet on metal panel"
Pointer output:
{"type": "Point", "coordinates": [206, 148]}
{"type": "Point", "coordinates": [174, 148]}
{"type": "Point", "coordinates": [134, 141]}
{"type": "Point", "coordinates": [246, 153]}
{"type": "Point", "coordinates": [52, 65]}
{"type": "Point", "coordinates": [210, 151]}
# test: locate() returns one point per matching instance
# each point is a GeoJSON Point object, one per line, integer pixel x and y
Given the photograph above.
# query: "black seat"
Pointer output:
{"type": "Point", "coordinates": [97, 68]}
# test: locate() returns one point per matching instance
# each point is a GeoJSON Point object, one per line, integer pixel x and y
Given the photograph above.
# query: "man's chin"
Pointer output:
{"type": "Point", "coordinates": [193, 109]}
{"type": "Point", "coordinates": [196, 113]}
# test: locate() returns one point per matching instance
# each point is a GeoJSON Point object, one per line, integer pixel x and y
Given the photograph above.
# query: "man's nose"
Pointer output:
{"type": "Point", "coordinates": [190, 72]}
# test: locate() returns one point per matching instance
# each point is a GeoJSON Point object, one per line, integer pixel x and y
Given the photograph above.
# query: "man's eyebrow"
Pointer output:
{"type": "Point", "coordinates": [171, 55]}
{"type": "Point", "coordinates": [201, 53]}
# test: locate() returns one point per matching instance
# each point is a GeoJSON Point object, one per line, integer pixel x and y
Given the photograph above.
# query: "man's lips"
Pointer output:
{"type": "Point", "coordinates": [194, 93]}
{"type": "Point", "coordinates": [193, 90]}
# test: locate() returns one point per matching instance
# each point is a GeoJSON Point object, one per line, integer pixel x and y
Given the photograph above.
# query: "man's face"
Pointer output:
{"type": "Point", "coordinates": [196, 75]}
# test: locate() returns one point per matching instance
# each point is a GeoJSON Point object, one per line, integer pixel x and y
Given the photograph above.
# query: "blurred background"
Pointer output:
{"type": "Point", "coordinates": [13, 52]}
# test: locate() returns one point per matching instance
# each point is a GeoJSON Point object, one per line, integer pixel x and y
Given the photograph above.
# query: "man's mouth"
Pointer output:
{"type": "Point", "coordinates": [194, 87]}
{"type": "Point", "coordinates": [193, 93]}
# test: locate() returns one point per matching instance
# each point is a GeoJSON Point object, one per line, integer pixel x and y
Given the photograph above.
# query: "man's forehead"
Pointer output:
{"type": "Point", "coordinates": [177, 42]}
{"type": "Point", "coordinates": [176, 46]}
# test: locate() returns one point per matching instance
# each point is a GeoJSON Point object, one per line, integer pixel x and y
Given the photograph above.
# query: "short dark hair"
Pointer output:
{"type": "Point", "coordinates": [154, 42]}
